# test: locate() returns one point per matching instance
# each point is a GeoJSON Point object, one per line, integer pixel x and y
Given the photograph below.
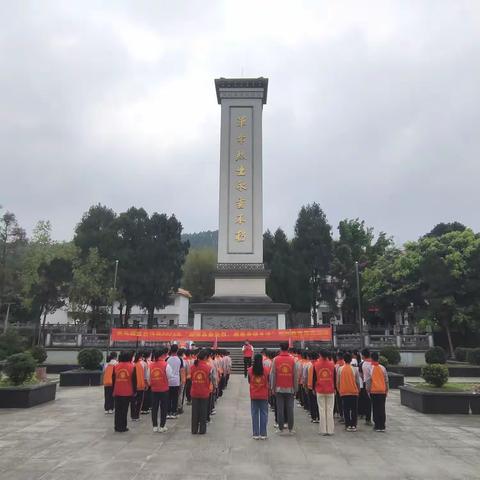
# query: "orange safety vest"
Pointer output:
{"type": "Point", "coordinates": [108, 375]}
{"type": "Point", "coordinates": [348, 385]}
{"type": "Point", "coordinates": [378, 379]}
{"type": "Point", "coordinates": [140, 376]}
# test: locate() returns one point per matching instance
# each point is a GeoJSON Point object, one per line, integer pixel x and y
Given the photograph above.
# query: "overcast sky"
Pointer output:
{"type": "Point", "coordinates": [373, 108]}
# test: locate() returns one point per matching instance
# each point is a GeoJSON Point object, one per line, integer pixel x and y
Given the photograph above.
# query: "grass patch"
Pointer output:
{"type": "Point", "coordinates": [448, 387]}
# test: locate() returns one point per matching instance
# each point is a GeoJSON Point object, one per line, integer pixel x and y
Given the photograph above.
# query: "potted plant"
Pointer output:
{"type": "Point", "coordinates": [89, 373]}
{"type": "Point", "coordinates": [21, 389]}
{"type": "Point", "coordinates": [435, 396]}
{"type": "Point", "coordinates": [40, 355]}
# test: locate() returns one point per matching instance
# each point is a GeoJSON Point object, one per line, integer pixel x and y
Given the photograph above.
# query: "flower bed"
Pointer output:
{"type": "Point", "coordinates": [80, 378]}
{"type": "Point", "coordinates": [26, 396]}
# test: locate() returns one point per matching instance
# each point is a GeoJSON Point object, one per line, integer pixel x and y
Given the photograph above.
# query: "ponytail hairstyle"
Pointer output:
{"type": "Point", "coordinates": [202, 355]}
{"type": "Point", "coordinates": [257, 368]}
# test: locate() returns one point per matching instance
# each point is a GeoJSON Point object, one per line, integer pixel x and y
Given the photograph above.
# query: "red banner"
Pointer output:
{"type": "Point", "coordinates": [323, 334]}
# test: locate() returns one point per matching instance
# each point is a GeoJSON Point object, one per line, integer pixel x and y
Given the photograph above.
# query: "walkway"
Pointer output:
{"type": "Point", "coordinates": [72, 439]}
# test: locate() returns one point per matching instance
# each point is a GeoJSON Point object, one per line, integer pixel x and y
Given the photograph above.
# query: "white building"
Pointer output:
{"type": "Point", "coordinates": [173, 315]}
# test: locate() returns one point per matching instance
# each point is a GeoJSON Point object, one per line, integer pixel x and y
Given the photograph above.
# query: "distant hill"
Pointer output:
{"type": "Point", "coordinates": [208, 239]}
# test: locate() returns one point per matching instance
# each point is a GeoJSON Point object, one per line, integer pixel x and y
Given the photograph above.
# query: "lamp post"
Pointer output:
{"type": "Point", "coordinates": [359, 307]}
{"type": "Point", "coordinates": [113, 302]}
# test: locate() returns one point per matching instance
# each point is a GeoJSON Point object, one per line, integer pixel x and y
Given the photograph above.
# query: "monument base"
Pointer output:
{"type": "Point", "coordinates": [239, 313]}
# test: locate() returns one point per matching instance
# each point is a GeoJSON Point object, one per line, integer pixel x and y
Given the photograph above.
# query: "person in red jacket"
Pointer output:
{"type": "Point", "coordinates": [124, 380]}
{"type": "Point", "coordinates": [324, 371]}
{"type": "Point", "coordinates": [158, 373]}
{"type": "Point", "coordinates": [202, 382]}
{"type": "Point", "coordinates": [247, 350]}
{"type": "Point", "coordinates": [258, 378]}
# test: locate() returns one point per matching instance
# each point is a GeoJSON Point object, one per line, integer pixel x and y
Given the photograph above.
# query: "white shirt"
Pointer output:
{"type": "Point", "coordinates": [175, 364]}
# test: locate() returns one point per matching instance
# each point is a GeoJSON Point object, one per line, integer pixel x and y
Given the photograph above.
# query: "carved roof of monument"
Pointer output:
{"type": "Point", "coordinates": [241, 88]}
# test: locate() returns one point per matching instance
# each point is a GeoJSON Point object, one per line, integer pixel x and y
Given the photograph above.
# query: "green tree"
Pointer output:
{"type": "Point", "coordinates": [356, 243]}
{"type": "Point", "coordinates": [199, 273]}
{"type": "Point", "coordinates": [12, 249]}
{"type": "Point", "coordinates": [312, 251]}
{"type": "Point", "coordinates": [90, 289]}
{"type": "Point", "coordinates": [51, 291]}
{"type": "Point", "coordinates": [162, 255]}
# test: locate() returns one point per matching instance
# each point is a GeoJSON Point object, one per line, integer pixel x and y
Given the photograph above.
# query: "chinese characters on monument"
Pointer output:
{"type": "Point", "coordinates": [240, 237]}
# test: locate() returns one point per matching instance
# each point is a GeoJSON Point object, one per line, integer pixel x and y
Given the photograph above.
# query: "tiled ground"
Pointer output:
{"type": "Point", "coordinates": [72, 439]}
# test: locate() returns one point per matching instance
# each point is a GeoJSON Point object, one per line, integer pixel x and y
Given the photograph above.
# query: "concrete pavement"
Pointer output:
{"type": "Point", "coordinates": [72, 439]}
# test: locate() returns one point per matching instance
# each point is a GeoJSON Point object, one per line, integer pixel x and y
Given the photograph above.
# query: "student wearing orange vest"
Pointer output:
{"type": "Point", "coordinates": [376, 384]}
{"type": "Point", "coordinates": [124, 382]}
{"type": "Point", "coordinates": [137, 398]}
{"type": "Point", "coordinates": [348, 385]}
{"type": "Point", "coordinates": [159, 371]}
{"type": "Point", "coordinates": [108, 382]}
{"type": "Point", "coordinates": [258, 378]}
{"type": "Point", "coordinates": [325, 389]}
{"type": "Point", "coordinates": [284, 383]}
{"type": "Point", "coordinates": [202, 383]}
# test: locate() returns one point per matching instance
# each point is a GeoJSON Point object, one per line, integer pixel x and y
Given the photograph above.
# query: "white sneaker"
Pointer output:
{"type": "Point", "coordinates": [163, 429]}
{"type": "Point", "coordinates": [155, 429]}
{"type": "Point", "coordinates": [256, 438]}
{"type": "Point", "coordinates": [275, 425]}
{"type": "Point", "coordinates": [292, 432]}
{"type": "Point", "coordinates": [263, 438]}
{"type": "Point", "coordinates": [110, 411]}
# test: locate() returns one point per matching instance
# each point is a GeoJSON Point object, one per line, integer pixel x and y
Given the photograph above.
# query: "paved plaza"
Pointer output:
{"type": "Point", "coordinates": [72, 439]}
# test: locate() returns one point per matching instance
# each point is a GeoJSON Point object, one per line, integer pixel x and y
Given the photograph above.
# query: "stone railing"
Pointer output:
{"type": "Point", "coordinates": [403, 342]}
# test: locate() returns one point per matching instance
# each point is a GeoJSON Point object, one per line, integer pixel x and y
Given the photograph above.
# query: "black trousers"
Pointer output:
{"type": "Point", "coordinates": [285, 402]}
{"type": "Point", "coordinates": [247, 363]}
{"type": "Point", "coordinates": [188, 389]}
{"type": "Point", "coordinates": [147, 400]}
{"type": "Point", "coordinates": [159, 399]}
{"type": "Point", "coordinates": [227, 378]}
{"type": "Point", "coordinates": [312, 400]}
{"type": "Point", "coordinates": [121, 413]}
{"type": "Point", "coordinates": [109, 402]}
{"type": "Point", "coordinates": [349, 403]}
{"type": "Point", "coordinates": [365, 405]}
{"type": "Point", "coordinates": [199, 415]}
{"type": "Point", "coordinates": [338, 408]}
{"type": "Point", "coordinates": [378, 404]}
{"type": "Point", "coordinates": [173, 400]}
{"type": "Point", "coordinates": [136, 404]}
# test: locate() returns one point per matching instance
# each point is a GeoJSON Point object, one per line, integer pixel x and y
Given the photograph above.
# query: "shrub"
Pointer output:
{"type": "Point", "coordinates": [392, 354]}
{"type": "Point", "coordinates": [20, 367]}
{"type": "Point", "coordinates": [473, 356]}
{"type": "Point", "coordinates": [11, 343]}
{"type": "Point", "coordinates": [38, 353]}
{"type": "Point", "coordinates": [383, 361]}
{"type": "Point", "coordinates": [436, 355]}
{"type": "Point", "coordinates": [461, 353]}
{"type": "Point", "coordinates": [435, 374]}
{"type": "Point", "coordinates": [90, 358]}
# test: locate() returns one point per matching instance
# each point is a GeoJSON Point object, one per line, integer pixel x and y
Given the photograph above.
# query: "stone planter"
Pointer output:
{"type": "Point", "coordinates": [475, 404]}
{"type": "Point", "coordinates": [435, 402]}
{"type": "Point", "coordinates": [395, 380]}
{"type": "Point", "coordinates": [81, 378]}
{"type": "Point", "coordinates": [27, 396]}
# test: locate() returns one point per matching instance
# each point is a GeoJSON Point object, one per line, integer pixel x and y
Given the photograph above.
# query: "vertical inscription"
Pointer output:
{"type": "Point", "coordinates": [240, 209]}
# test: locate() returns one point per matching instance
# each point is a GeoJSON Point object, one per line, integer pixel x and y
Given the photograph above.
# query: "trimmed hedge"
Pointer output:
{"type": "Point", "coordinates": [38, 353]}
{"type": "Point", "coordinates": [383, 361]}
{"type": "Point", "coordinates": [90, 358]}
{"type": "Point", "coordinates": [436, 355]}
{"type": "Point", "coordinates": [392, 354]}
{"type": "Point", "coordinates": [435, 374]}
{"type": "Point", "coordinates": [20, 367]}
{"type": "Point", "coordinates": [473, 356]}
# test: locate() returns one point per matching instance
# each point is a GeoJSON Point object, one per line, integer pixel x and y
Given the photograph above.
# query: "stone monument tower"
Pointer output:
{"type": "Point", "coordinates": [240, 299]}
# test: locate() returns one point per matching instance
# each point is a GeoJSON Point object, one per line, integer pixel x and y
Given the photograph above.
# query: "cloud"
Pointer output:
{"type": "Point", "coordinates": [373, 109]}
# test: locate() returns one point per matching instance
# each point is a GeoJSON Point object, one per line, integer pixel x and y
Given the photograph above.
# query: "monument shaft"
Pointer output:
{"type": "Point", "coordinates": [240, 299]}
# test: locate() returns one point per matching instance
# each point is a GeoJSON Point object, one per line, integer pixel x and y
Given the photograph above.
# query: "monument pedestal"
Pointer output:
{"type": "Point", "coordinates": [240, 301]}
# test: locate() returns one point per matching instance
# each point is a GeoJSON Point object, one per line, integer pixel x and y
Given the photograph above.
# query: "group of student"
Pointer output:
{"type": "Point", "coordinates": [159, 382]}
{"type": "Point", "coordinates": [343, 384]}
